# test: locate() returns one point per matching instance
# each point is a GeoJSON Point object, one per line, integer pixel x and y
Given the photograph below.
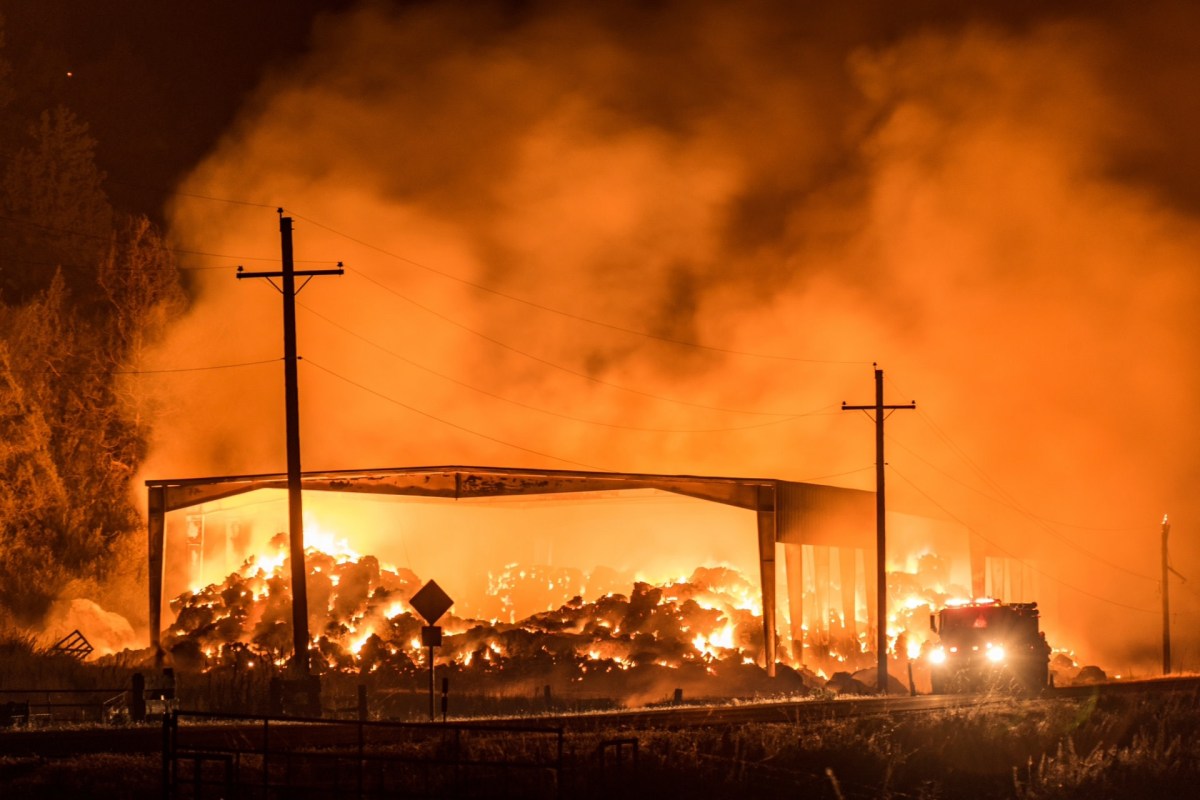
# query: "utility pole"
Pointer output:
{"type": "Point", "coordinates": [880, 528]}
{"type": "Point", "coordinates": [1166, 625]}
{"type": "Point", "coordinates": [287, 287]}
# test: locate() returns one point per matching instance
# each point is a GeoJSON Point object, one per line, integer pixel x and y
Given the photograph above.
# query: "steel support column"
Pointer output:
{"type": "Point", "coordinates": [793, 558]}
{"type": "Point", "coordinates": [766, 563]}
{"type": "Point", "coordinates": [157, 531]}
{"type": "Point", "coordinates": [847, 563]}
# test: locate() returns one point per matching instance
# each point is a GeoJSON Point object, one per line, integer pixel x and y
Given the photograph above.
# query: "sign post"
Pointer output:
{"type": "Point", "coordinates": [431, 602]}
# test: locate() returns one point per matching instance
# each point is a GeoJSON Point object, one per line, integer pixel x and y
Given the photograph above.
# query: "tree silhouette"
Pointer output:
{"type": "Point", "coordinates": [54, 209]}
{"type": "Point", "coordinates": [84, 293]}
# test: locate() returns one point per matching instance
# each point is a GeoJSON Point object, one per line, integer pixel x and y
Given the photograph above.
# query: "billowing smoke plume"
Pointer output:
{"type": "Point", "coordinates": [992, 209]}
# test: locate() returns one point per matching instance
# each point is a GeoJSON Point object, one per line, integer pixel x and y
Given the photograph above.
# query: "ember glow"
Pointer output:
{"type": "Point", "coordinates": [361, 621]}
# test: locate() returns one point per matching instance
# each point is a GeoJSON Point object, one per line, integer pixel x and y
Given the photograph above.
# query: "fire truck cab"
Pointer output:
{"type": "Point", "coordinates": [985, 645]}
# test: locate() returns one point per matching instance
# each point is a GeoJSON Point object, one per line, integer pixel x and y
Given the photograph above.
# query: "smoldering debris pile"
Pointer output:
{"type": "Point", "coordinates": [702, 635]}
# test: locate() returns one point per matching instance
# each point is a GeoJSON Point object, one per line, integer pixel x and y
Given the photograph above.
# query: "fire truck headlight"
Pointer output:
{"type": "Point", "coordinates": [937, 656]}
{"type": "Point", "coordinates": [995, 654]}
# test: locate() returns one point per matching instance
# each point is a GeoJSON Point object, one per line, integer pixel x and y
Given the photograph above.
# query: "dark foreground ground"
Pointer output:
{"type": "Point", "coordinates": [1099, 746]}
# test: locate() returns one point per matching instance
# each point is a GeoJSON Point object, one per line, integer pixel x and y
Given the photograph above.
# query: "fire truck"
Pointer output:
{"type": "Point", "coordinates": [988, 645]}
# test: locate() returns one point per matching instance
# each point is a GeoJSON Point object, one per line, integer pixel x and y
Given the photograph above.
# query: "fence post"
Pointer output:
{"type": "Point", "coordinates": [266, 749]}
{"type": "Point", "coordinates": [362, 718]}
{"type": "Point", "coordinates": [137, 698]}
{"type": "Point", "coordinates": [558, 766]}
{"type": "Point", "coordinates": [168, 756]}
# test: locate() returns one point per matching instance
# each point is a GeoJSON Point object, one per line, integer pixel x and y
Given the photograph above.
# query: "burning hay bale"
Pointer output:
{"type": "Point", "coordinates": [845, 683]}
{"type": "Point", "coordinates": [701, 636]}
{"type": "Point", "coordinates": [1089, 675]}
{"type": "Point", "coordinates": [869, 677]}
{"type": "Point", "coordinates": [692, 634]}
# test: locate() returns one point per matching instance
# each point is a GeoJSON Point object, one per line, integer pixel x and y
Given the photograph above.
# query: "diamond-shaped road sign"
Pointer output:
{"type": "Point", "coordinates": [431, 602]}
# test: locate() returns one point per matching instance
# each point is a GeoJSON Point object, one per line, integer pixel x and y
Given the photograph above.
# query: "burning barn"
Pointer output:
{"type": "Point", "coordinates": [221, 566]}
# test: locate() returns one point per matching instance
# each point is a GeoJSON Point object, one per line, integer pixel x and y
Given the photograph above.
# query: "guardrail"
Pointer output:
{"type": "Point", "coordinates": [217, 755]}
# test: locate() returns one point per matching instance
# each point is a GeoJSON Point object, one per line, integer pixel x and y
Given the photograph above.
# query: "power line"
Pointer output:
{"type": "Point", "coordinates": [109, 237]}
{"type": "Point", "coordinates": [1000, 489]}
{"type": "Point", "coordinates": [554, 365]}
{"type": "Point", "coordinates": [1013, 556]}
{"type": "Point", "coordinates": [231, 201]}
{"type": "Point", "coordinates": [241, 258]}
{"type": "Point", "coordinates": [838, 474]}
{"type": "Point", "coordinates": [174, 268]}
{"type": "Point", "coordinates": [108, 179]}
{"type": "Point", "coordinates": [450, 321]}
{"type": "Point", "coordinates": [446, 422]}
{"type": "Point", "coordinates": [567, 314]}
{"type": "Point", "coordinates": [1007, 499]}
{"type": "Point", "coordinates": [1040, 523]}
{"type": "Point", "coordinates": [547, 411]}
{"type": "Point", "coordinates": [481, 287]}
{"type": "Point", "coordinates": [195, 369]}
{"type": "Point", "coordinates": [995, 485]}
{"type": "Point", "coordinates": [144, 371]}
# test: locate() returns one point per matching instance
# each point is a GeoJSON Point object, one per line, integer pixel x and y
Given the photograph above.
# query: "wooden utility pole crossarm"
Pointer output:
{"type": "Point", "coordinates": [287, 287]}
{"type": "Point", "coordinates": [880, 527]}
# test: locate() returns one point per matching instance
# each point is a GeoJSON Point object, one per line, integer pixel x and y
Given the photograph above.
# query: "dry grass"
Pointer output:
{"type": "Point", "coordinates": [100, 776]}
{"type": "Point", "coordinates": [1033, 751]}
{"type": "Point", "coordinates": [1129, 746]}
{"type": "Point", "coordinates": [1118, 748]}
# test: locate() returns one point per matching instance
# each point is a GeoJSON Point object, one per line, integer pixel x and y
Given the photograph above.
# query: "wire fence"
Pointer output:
{"type": "Point", "coordinates": [217, 756]}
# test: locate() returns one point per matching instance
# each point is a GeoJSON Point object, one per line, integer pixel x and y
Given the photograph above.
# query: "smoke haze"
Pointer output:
{"type": "Point", "coordinates": [1000, 210]}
